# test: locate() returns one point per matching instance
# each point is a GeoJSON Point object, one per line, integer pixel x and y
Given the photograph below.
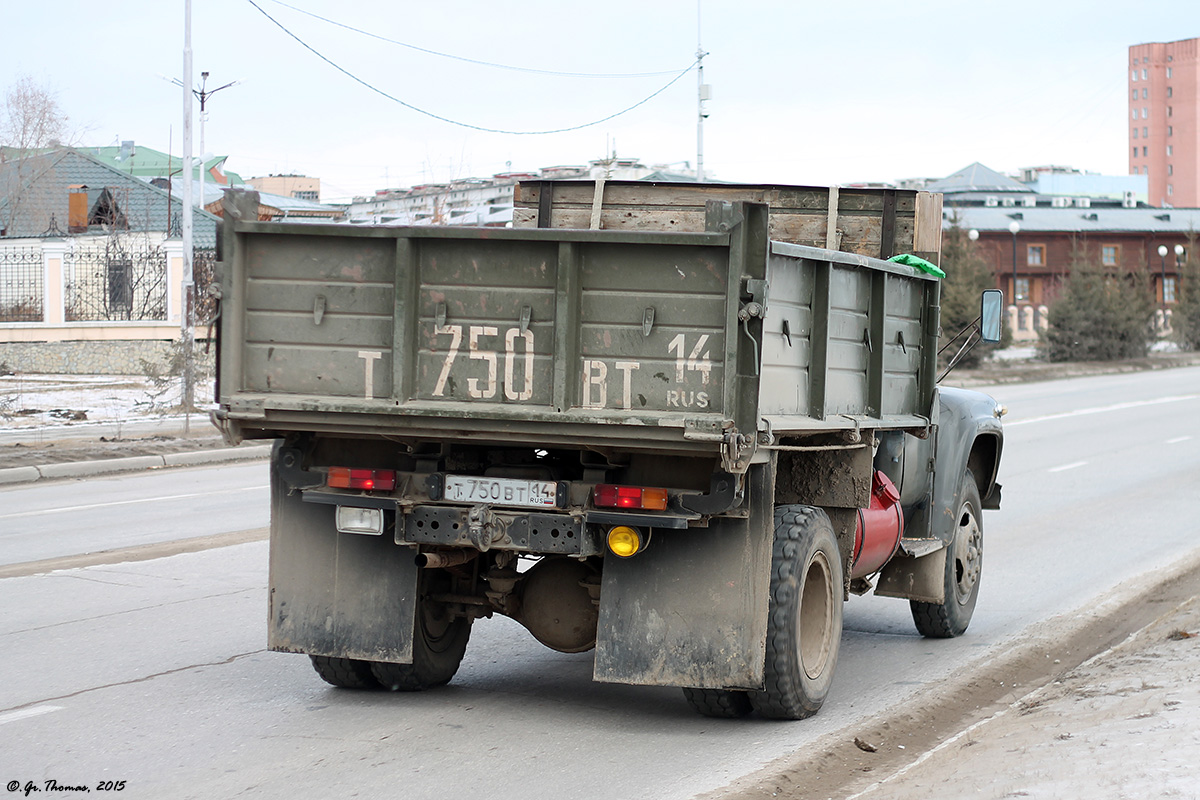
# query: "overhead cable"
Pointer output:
{"type": "Point", "coordinates": [449, 121]}
{"type": "Point", "coordinates": [476, 61]}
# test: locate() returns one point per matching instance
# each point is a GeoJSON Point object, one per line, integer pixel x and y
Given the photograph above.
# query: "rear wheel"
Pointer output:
{"type": "Point", "coordinates": [345, 673]}
{"type": "Point", "coordinates": [964, 564]}
{"type": "Point", "coordinates": [724, 703]}
{"type": "Point", "coordinates": [804, 626]}
{"type": "Point", "coordinates": [439, 642]}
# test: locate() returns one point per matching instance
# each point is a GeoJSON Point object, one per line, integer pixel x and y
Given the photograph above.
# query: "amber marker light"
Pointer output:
{"type": "Point", "coordinates": [625, 541]}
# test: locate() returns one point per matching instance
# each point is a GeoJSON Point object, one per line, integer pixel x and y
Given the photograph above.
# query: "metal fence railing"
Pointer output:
{"type": "Point", "coordinates": [22, 293]}
{"type": "Point", "coordinates": [119, 278]}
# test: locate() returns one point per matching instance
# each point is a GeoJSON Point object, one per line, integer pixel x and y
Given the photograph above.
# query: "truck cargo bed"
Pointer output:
{"type": "Point", "coordinates": [652, 340]}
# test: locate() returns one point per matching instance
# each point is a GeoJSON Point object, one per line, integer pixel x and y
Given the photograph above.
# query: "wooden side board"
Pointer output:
{"type": "Point", "coordinates": [871, 222]}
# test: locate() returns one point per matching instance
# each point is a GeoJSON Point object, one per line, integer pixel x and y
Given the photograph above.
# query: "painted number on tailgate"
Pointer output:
{"type": "Point", "coordinates": [693, 357]}
{"type": "Point", "coordinates": [484, 384]}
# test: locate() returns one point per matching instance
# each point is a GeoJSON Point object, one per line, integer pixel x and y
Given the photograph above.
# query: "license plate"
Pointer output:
{"type": "Point", "coordinates": [501, 491]}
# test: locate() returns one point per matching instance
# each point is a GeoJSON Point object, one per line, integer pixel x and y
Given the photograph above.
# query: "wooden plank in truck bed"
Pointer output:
{"type": "Point", "coordinates": [878, 223]}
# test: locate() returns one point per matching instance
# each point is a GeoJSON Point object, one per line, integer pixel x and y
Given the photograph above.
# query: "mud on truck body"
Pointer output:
{"type": "Point", "coordinates": [681, 440]}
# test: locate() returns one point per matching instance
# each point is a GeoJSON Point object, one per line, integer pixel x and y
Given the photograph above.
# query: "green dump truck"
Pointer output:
{"type": "Point", "coordinates": [674, 423]}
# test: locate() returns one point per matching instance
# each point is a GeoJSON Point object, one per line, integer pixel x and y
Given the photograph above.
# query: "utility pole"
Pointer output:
{"type": "Point", "coordinates": [187, 311]}
{"type": "Point", "coordinates": [703, 93]}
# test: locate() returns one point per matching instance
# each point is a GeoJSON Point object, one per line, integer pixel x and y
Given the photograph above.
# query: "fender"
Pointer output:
{"type": "Point", "coordinates": [967, 434]}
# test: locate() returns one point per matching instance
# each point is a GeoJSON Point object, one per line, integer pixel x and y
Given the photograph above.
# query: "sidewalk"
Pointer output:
{"type": "Point", "coordinates": [88, 469]}
{"type": "Point", "coordinates": [1124, 724]}
{"type": "Point", "coordinates": [79, 424]}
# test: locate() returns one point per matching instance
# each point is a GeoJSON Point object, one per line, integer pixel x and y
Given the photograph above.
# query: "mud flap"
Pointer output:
{"type": "Point", "coordinates": [336, 594]}
{"type": "Point", "coordinates": [692, 609]}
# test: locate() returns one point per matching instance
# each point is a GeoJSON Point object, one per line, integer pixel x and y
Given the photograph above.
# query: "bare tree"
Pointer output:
{"type": "Point", "coordinates": [30, 121]}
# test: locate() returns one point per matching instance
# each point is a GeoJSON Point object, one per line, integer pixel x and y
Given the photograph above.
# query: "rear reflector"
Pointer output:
{"type": "Point", "coordinates": [367, 479]}
{"type": "Point", "coordinates": [606, 495]}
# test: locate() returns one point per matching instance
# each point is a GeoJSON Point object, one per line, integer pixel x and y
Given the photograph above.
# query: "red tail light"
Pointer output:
{"type": "Point", "coordinates": [366, 479]}
{"type": "Point", "coordinates": [606, 495]}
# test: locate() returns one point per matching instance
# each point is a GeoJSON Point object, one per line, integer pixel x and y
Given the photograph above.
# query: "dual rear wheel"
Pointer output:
{"type": "Point", "coordinates": [439, 642]}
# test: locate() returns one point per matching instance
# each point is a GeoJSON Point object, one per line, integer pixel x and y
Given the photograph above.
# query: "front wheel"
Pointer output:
{"type": "Point", "coordinates": [964, 563]}
{"type": "Point", "coordinates": [804, 626]}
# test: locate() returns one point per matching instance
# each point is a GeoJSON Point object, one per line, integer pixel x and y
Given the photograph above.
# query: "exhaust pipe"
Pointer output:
{"type": "Point", "coordinates": [444, 559]}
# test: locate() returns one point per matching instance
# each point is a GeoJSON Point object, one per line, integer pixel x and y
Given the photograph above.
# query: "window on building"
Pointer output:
{"type": "Point", "coordinates": [1110, 255]}
{"type": "Point", "coordinates": [1035, 255]}
{"type": "Point", "coordinates": [1021, 292]}
{"type": "Point", "coordinates": [1168, 72]}
{"type": "Point", "coordinates": [1170, 150]}
{"type": "Point", "coordinates": [1145, 113]}
{"type": "Point", "coordinates": [1145, 93]}
{"type": "Point", "coordinates": [1169, 111]}
{"type": "Point", "coordinates": [1145, 150]}
{"type": "Point", "coordinates": [1170, 189]}
{"type": "Point", "coordinates": [1143, 74]}
{"type": "Point", "coordinates": [1170, 130]}
{"type": "Point", "coordinates": [1135, 133]}
{"type": "Point", "coordinates": [1135, 94]}
{"type": "Point", "coordinates": [1169, 93]}
{"type": "Point", "coordinates": [1145, 132]}
{"type": "Point", "coordinates": [1170, 169]}
{"type": "Point", "coordinates": [1169, 290]}
{"type": "Point", "coordinates": [1135, 152]}
{"type": "Point", "coordinates": [120, 284]}
{"type": "Point", "coordinates": [1133, 75]}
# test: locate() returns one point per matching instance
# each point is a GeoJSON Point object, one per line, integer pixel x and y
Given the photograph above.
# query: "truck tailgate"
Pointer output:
{"type": "Point", "coordinates": [350, 329]}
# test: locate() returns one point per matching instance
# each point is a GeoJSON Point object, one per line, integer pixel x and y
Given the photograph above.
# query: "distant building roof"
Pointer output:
{"type": "Point", "coordinates": [146, 162]}
{"type": "Point", "coordinates": [1077, 220]}
{"type": "Point", "coordinates": [976, 178]}
{"type": "Point", "coordinates": [35, 192]}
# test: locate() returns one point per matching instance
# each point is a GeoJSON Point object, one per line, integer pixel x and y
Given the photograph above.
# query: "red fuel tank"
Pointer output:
{"type": "Point", "coordinates": [880, 527]}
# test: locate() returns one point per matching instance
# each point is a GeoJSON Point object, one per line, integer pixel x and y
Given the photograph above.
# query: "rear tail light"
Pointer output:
{"type": "Point", "coordinates": [366, 479]}
{"type": "Point", "coordinates": [606, 495]}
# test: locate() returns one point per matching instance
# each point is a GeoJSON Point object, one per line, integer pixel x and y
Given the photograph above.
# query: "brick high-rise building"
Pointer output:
{"type": "Point", "coordinates": [1164, 132]}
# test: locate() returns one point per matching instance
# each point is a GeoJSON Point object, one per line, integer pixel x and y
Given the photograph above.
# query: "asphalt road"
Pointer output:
{"type": "Point", "coordinates": [155, 672]}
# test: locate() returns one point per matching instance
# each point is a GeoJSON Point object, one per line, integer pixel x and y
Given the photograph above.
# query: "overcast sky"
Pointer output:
{"type": "Point", "coordinates": [803, 92]}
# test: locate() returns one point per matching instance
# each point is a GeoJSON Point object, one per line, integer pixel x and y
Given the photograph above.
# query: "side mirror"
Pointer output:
{"type": "Point", "coordinates": [991, 310]}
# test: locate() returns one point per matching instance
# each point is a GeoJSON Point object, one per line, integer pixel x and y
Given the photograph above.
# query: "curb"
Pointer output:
{"type": "Point", "coordinates": [87, 469]}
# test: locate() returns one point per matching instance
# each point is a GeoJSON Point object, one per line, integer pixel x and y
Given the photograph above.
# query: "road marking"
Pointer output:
{"type": "Point", "coordinates": [1066, 467]}
{"type": "Point", "coordinates": [1104, 409]}
{"type": "Point", "coordinates": [90, 506]}
{"type": "Point", "coordinates": [26, 713]}
{"type": "Point", "coordinates": [1180, 439]}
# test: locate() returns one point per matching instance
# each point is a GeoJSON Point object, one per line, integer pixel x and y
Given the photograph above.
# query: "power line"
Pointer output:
{"type": "Point", "coordinates": [472, 60]}
{"type": "Point", "coordinates": [447, 120]}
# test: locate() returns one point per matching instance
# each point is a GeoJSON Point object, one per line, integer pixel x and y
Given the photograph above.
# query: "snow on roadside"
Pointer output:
{"type": "Point", "coordinates": [38, 401]}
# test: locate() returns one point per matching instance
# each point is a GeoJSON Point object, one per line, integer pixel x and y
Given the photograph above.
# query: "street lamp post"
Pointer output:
{"type": "Point", "coordinates": [202, 94]}
{"type": "Point", "coordinates": [1013, 228]}
{"type": "Point", "coordinates": [1179, 251]}
{"type": "Point", "coordinates": [1162, 262]}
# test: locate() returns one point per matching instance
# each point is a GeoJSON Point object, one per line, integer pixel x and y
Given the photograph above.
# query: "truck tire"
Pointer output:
{"type": "Point", "coordinates": [439, 642]}
{"type": "Point", "coordinates": [804, 623]}
{"type": "Point", "coordinates": [723, 703]}
{"type": "Point", "coordinates": [345, 673]}
{"type": "Point", "coordinates": [964, 562]}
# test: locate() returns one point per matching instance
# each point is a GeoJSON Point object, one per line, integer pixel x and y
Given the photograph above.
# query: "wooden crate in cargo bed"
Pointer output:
{"type": "Point", "coordinates": [872, 222]}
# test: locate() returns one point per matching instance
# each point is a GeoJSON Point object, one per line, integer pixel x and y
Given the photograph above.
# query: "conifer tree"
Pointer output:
{"type": "Point", "coordinates": [1185, 320]}
{"type": "Point", "coordinates": [1100, 315]}
{"type": "Point", "coordinates": [967, 276]}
